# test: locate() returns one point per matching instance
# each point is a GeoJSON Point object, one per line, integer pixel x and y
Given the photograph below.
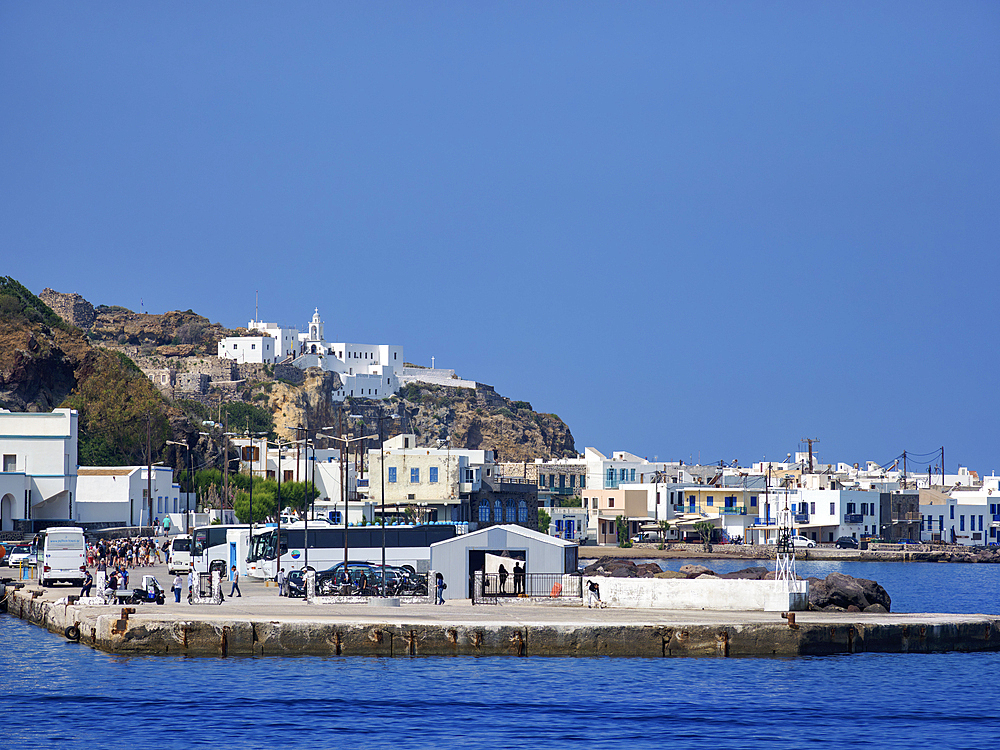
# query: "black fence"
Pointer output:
{"type": "Point", "coordinates": [489, 588]}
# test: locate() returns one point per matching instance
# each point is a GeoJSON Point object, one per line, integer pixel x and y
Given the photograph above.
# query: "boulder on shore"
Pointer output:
{"type": "Point", "coordinates": [839, 592]}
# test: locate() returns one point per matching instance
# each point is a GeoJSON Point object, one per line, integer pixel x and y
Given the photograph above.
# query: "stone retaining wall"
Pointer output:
{"type": "Point", "coordinates": [124, 630]}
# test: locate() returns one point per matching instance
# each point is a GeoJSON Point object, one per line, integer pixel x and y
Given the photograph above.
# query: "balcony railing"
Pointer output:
{"type": "Point", "coordinates": [734, 510]}
{"type": "Point", "coordinates": [854, 518]}
{"type": "Point", "coordinates": [801, 518]}
{"type": "Point", "coordinates": [559, 490]}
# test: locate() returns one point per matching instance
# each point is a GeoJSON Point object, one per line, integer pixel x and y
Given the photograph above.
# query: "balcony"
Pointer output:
{"type": "Point", "coordinates": [802, 518]}
{"type": "Point", "coordinates": [362, 483]}
{"type": "Point", "coordinates": [559, 490]}
{"type": "Point", "coordinates": [854, 518]}
{"type": "Point", "coordinates": [734, 510]}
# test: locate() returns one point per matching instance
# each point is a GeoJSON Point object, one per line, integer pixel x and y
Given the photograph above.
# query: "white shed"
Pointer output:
{"type": "Point", "coordinates": [456, 558]}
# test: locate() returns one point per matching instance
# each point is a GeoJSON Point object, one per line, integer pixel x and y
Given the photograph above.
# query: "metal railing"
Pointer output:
{"type": "Point", "coordinates": [488, 588]}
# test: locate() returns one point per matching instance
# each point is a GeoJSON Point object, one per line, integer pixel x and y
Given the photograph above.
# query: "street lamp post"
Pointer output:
{"type": "Point", "coordinates": [343, 482]}
{"type": "Point", "coordinates": [187, 448]}
{"type": "Point", "coordinates": [381, 446]}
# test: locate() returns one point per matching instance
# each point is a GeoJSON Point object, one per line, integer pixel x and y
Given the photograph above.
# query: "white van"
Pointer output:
{"type": "Point", "coordinates": [180, 554]}
{"type": "Point", "coordinates": [62, 552]}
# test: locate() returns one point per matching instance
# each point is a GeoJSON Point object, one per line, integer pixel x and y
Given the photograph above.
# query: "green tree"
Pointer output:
{"type": "Point", "coordinates": [120, 412]}
{"type": "Point", "coordinates": [263, 505]}
{"type": "Point", "coordinates": [705, 529]}
{"type": "Point", "coordinates": [571, 502]}
{"type": "Point", "coordinates": [544, 519]}
{"type": "Point", "coordinates": [622, 526]}
{"type": "Point", "coordinates": [664, 527]}
{"type": "Point", "coordinates": [244, 416]}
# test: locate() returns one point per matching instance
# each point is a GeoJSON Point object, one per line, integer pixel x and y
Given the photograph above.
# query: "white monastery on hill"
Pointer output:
{"type": "Point", "coordinates": [365, 370]}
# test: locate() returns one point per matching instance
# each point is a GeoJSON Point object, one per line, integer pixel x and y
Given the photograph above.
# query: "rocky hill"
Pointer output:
{"type": "Point", "coordinates": [49, 344]}
{"type": "Point", "coordinates": [481, 418]}
{"type": "Point", "coordinates": [173, 333]}
{"type": "Point", "coordinates": [40, 355]}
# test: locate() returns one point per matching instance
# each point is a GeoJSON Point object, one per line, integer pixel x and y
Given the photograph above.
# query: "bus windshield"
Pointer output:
{"type": "Point", "coordinates": [56, 540]}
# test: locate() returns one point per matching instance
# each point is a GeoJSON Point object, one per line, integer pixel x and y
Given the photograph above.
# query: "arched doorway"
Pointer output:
{"type": "Point", "coordinates": [7, 513]}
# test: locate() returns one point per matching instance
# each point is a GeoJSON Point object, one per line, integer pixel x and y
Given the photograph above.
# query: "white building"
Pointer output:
{"type": "Point", "coordinates": [438, 480]}
{"type": "Point", "coordinates": [286, 340]}
{"type": "Point", "coordinates": [457, 558]}
{"type": "Point", "coordinates": [365, 370]}
{"type": "Point", "coordinates": [248, 349]}
{"type": "Point", "coordinates": [120, 495]}
{"type": "Point", "coordinates": [622, 467]}
{"type": "Point", "coordinates": [39, 467]}
{"type": "Point", "coordinates": [962, 514]}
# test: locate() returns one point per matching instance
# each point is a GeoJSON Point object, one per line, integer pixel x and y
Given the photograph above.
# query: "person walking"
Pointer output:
{"type": "Point", "coordinates": [281, 582]}
{"type": "Point", "coordinates": [236, 583]}
{"type": "Point", "coordinates": [88, 581]}
{"type": "Point", "coordinates": [191, 582]}
{"type": "Point", "coordinates": [176, 587]}
{"type": "Point", "coordinates": [439, 587]}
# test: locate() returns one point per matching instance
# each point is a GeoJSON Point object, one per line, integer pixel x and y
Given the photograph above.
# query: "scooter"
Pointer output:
{"type": "Point", "coordinates": [151, 591]}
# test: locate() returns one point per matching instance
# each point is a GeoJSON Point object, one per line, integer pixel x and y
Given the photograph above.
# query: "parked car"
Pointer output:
{"type": "Point", "coordinates": [296, 584]}
{"type": "Point", "coordinates": [797, 541]}
{"type": "Point", "coordinates": [846, 542]}
{"type": "Point", "coordinates": [20, 554]}
{"type": "Point", "coordinates": [646, 536]}
{"type": "Point", "coordinates": [906, 541]}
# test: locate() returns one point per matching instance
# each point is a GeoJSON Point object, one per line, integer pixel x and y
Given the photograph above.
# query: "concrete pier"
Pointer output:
{"type": "Point", "coordinates": [262, 624]}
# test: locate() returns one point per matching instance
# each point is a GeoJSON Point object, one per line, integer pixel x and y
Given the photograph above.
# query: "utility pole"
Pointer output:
{"type": "Point", "coordinates": [225, 467]}
{"type": "Point", "coordinates": [149, 469]}
{"type": "Point", "coordinates": [810, 441]}
{"type": "Point", "coordinates": [904, 470]}
{"type": "Point", "coordinates": [942, 466]}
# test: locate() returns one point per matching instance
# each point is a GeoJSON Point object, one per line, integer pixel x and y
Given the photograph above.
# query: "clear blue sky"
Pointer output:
{"type": "Point", "coordinates": [691, 229]}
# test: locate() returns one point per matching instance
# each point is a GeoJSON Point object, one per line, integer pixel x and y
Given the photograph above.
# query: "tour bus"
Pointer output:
{"type": "Point", "coordinates": [222, 542]}
{"type": "Point", "coordinates": [180, 554]}
{"type": "Point", "coordinates": [404, 545]}
{"type": "Point", "coordinates": [62, 550]}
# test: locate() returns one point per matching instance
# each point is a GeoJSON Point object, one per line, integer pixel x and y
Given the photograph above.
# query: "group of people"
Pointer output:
{"type": "Point", "coordinates": [135, 552]}
{"type": "Point", "coordinates": [111, 559]}
{"type": "Point", "coordinates": [519, 576]}
{"type": "Point", "coordinates": [110, 578]}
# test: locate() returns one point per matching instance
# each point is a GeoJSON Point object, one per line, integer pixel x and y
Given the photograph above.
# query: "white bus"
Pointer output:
{"type": "Point", "coordinates": [62, 551]}
{"type": "Point", "coordinates": [225, 542]}
{"type": "Point", "coordinates": [404, 545]}
{"type": "Point", "coordinates": [180, 554]}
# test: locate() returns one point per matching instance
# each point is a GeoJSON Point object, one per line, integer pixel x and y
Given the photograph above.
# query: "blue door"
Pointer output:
{"type": "Point", "coordinates": [232, 559]}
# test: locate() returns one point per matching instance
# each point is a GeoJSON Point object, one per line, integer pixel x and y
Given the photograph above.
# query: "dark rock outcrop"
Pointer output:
{"type": "Point", "coordinates": [840, 592]}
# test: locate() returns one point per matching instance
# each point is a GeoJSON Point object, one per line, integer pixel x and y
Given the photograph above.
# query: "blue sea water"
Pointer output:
{"type": "Point", "coordinates": [55, 694]}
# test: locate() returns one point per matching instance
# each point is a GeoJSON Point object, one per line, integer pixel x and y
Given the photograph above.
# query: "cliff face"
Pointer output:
{"type": "Point", "coordinates": [483, 419]}
{"type": "Point", "coordinates": [309, 405]}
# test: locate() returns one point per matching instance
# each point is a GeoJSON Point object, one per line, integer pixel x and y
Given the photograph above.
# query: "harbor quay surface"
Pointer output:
{"type": "Point", "coordinates": [260, 623]}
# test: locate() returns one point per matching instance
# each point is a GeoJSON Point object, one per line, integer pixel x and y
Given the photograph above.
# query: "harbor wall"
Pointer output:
{"type": "Point", "coordinates": [120, 630]}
